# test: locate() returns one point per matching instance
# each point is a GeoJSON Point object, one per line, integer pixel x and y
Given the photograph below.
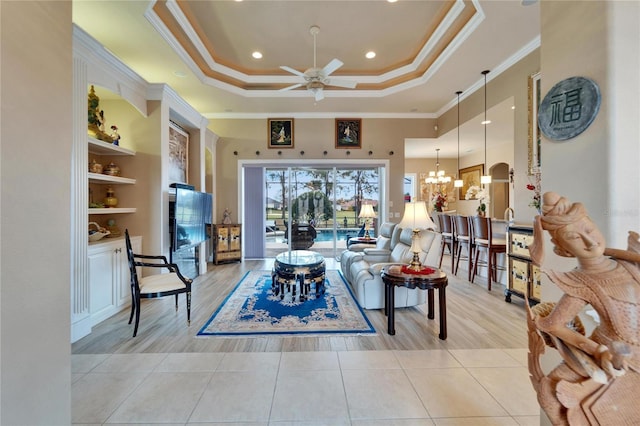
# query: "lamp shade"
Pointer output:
{"type": "Point", "coordinates": [416, 216]}
{"type": "Point", "coordinates": [366, 211]}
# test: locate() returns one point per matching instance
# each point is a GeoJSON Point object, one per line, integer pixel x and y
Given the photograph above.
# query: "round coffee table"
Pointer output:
{"type": "Point", "coordinates": [298, 268]}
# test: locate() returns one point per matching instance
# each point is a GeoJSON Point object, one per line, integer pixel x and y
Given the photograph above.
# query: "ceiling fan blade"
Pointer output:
{"type": "Point", "coordinates": [292, 71]}
{"type": "Point", "coordinates": [295, 86]}
{"type": "Point", "coordinates": [332, 66]}
{"type": "Point", "coordinates": [349, 84]}
{"type": "Point", "coordinates": [319, 95]}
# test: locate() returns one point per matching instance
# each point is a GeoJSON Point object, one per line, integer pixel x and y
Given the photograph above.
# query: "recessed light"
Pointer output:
{"type": "Point", "coordinates": [370, 54]}
{"type": "Point", "coordinates": [392, 1]}
{"type": "Point", "coordinates": [256, 55]}
{"type": "Point", "coordinates": [486, 122]}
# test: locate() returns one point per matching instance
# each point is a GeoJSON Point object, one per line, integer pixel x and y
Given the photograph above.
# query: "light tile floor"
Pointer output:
{"type": "Point", "coordinates": [475, 387]}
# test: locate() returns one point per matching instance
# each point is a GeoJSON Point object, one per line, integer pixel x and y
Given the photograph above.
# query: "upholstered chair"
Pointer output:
{"type": "Point", "coordinates": [355, 251]}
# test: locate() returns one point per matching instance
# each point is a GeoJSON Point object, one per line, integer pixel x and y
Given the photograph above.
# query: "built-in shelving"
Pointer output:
{"type": "Point", "coordinates": [99, 147]}
{"type": "Point", "coordinates": [108, 179]}
{"type": "Point", "coordinates": [112, 210]}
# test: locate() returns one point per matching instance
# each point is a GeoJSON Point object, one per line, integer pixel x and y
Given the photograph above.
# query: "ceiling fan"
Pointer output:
{"type": "Point", "coordinates": [315, 79]}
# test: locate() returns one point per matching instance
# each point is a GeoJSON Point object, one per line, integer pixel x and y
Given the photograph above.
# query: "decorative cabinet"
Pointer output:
{"type": "Point", "coordinates": [524, 276]}
{"type": "Point", "coordinates": [227, 241]}
{"type": "Point", "coordinates": [109, 288]}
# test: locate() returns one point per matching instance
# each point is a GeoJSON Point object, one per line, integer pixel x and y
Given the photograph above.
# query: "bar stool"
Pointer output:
{"type": "Point", "coordinates": [462, 238]}
{"type": "Point", "coordinates": [446, 229]}
{"type": "Point", "coordinates": [484, 242]}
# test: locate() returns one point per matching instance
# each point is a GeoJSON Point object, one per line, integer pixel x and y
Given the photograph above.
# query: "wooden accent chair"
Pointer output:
{"type": "Point", "coordinates": [445, 225]}
{"type": "Point", "coordinates": [152, 286]}
{"type": "Point", "coordinates": [484, 242]}
{"type": "Point", "coordinates": [462, 237]}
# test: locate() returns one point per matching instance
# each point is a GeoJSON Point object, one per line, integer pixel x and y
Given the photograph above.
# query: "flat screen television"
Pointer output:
{"type": "Point", "coordinates": [192, 212]}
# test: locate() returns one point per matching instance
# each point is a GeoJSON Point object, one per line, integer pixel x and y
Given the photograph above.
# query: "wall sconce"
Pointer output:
{"type": "Point", "coordinates": [348, 152]}
{"type": "Point", "coordinates": [279, 152]}
{"type": "Point", "coordinates": [370, 152]}
{"type": "Point", "coordinates": [511, 173]}
{"type": "Point", "coordinates": [235, 152]}
{"type": "Point", "coordinates": [325, 153]}
{"type": "Point", "coordinates": [301, 152]}
{"type": "Point", "coordinates": [390, 152]}
{"type": "Point", "coordinates": [257, 152]}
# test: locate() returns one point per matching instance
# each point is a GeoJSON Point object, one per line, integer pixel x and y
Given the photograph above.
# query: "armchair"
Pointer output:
{"type": "Point", "coordinates": [153, 286]}
{"type": "Point", "coordinates": [386, 237]}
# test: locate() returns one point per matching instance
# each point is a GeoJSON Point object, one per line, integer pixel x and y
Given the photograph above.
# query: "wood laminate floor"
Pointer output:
{"type": "Point", "coordinates": [477, 319]}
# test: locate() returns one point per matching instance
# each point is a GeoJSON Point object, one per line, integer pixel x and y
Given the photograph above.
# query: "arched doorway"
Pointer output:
{"type": "Point", "coordinates": [499, 190]}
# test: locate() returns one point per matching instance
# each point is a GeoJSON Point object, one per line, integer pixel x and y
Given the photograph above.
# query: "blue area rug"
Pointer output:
{"type": "Point", "coordinates": [253, 309]}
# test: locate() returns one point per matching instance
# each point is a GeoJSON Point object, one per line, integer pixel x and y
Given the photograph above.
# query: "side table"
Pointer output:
{"type": "Point", "coordinates": [393, 276]}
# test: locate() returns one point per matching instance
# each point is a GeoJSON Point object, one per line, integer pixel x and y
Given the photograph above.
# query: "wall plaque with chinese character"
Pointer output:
{"type": "Point", "coordinates": [569, 108]}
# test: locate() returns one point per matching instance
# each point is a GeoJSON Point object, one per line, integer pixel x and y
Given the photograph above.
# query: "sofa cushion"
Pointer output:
{"type": "Point", "coordinates": [355, 252]}
{"type": "Point", "coordinates": [383, 240]}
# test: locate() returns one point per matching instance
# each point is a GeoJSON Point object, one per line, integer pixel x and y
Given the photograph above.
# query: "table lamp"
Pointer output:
{"type": "Point", "coordinates": [366, 213]}
{"type": "Point", "coordinates": [416, 218]}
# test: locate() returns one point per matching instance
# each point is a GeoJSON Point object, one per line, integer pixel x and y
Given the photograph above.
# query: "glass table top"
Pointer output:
{"type": "Point", "coordinates": [299, 258]}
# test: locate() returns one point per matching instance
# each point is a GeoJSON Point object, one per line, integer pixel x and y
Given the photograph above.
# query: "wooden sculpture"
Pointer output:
{"type": "Point", "coordinates": [598, 382]}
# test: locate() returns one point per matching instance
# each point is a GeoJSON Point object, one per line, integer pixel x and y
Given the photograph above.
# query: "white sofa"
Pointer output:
{"type": "Point", "coordinates": [383, 243]}
{"type": "Point", "coordinates": [364, 271]}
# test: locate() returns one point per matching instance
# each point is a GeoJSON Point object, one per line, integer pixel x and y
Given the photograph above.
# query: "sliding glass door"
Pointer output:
{"type": "Point", "coordinates": [317, 208]}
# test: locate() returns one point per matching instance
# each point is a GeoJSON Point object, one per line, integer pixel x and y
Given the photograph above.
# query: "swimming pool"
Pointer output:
{"type": "Point", "coordinates": [324, 235]}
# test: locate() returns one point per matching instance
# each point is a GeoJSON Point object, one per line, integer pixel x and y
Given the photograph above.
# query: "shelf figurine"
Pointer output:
{"type": "Point", "coordinates": [115, 136]}
{"type": "Point", "coordinates": [96, 118]}
{"type": "Point", "coordinates": [226, 217]}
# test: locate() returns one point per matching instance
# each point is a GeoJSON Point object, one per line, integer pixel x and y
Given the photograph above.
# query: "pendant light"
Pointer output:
{"type": "Point", "coordinates": [486, 178]}
{"type": "Point", "coordinates": [458, 182]}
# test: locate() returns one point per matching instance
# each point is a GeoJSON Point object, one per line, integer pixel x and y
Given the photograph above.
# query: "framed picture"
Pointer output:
{"type": "Point", "coordinates": [348, 133]}
{"type": "Point", "coordinates": [534, 129]}
{"type": "Point", "coordinates": [470, 176]}
{"type": "Point", "coordinates": [280, 132]}
{"type": "Point", "coordinates": [178, 153]}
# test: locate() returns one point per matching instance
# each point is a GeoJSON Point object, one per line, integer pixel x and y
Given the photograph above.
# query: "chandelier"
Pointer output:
{"type": "Point", "coordinates": [437, 177]}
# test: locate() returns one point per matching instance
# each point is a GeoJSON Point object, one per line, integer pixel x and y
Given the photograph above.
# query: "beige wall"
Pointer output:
{"type": "Point", "coordinates": [511, 83]}
{"type": "Point", "coordinates": [313, 136]}
{"type": "Point", "coordinates": [35, 220]}
{"type": "Point", "coordinates": [599, 167]}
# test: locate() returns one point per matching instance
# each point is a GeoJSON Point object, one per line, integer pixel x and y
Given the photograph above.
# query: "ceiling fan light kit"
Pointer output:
{"type": "Point", "coordinates": [315, 79]}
